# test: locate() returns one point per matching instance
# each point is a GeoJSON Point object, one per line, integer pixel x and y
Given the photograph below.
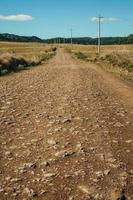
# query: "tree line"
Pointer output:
{"type": "Point", "coordinates": [77, 40]}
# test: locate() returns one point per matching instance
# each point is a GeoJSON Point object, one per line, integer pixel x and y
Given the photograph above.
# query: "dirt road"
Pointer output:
{"type": "Point", "coordinates": [66, 133]}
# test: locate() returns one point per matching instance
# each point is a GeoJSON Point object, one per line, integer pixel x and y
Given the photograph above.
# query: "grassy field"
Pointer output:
{"type": "Point", "coordinates": [117, 59]}
{"type": "Point", "coordinates": [28, 50]}
{"type": "Point", "coordinates": [17, 56]}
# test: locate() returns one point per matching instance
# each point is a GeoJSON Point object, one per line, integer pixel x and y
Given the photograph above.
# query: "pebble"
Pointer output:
{"type": "Point", "coordinates": [52, 142]}
{"type": "Point", "coordinates": [30, 192]}
{"type": "Point", "coordinates": [99, 174]}
{"type": "Point", "coordinates": [45, 163]}
{"type": "Point", "coordinates": [1, 190]}
{"type": "Point", "coordinates": [49, 175]}
{"type": "Point", "coordinates": [106, 172]}
{"type": "Point", "coordinates": [64, 153]}
{"type": "Point", "coordinates": [83, 188]}
{"type": "Point", "coordinates": [129, 141]}
{"type": "Point", "coordinates": [118, 124]}
{"type": "Point", "coordinates": [66, 120]}
{"type": "Point", "coordinates": [8, 154]}
{"type": "Point", "coordinates": [43, 192]}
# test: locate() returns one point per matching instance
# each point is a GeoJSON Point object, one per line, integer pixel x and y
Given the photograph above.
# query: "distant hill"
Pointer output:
{"type": "Point", "coordinates": [79, 40]}
{"type": "Point", "coordinates": [93, 41]}
{"type": "Point", "coordinates": [15, 38]}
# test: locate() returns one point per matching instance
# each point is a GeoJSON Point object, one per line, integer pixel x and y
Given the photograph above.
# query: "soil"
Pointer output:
{"type": "Point", "coordinates": [66, 133]}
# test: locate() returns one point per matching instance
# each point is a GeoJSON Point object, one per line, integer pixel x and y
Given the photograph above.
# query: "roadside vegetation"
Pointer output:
{"type": "Point", "coordinates": [15, 57]}
{"type": "Point", "coordinates": [117, 59]}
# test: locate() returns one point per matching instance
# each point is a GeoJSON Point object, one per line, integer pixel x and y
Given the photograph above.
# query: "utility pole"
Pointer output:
{"type": "Point", "coordinates": [99, 33]}
{"type": "Point", "coordinates": [71, 36]}
{"type": "Point", "coordinates": [64, 40]}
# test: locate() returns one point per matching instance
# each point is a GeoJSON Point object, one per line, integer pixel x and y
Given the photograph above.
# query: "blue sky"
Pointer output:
{"type": "Point", "coordinates": [53, 18]}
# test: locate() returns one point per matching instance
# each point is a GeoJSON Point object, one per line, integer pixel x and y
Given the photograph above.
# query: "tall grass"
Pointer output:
{"type": "Point", "coordinates": [15, 57]}
{"type": "Point", "coordinates": [117, 59]}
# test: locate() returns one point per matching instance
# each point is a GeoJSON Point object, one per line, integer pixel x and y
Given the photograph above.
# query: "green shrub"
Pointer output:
{"type": "Point", "coordinates": [81, 55]}
{"type": "Point", "coordinates": [130, 67]}
{"type": "Point", "coordinates": [54, 49]}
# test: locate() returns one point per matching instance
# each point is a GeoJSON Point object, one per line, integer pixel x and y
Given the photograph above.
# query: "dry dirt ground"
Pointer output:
{"type": "Point", "coordinates": [66, 133]}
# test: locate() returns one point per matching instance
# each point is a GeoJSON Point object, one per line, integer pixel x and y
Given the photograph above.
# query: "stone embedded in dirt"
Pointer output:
{"type": "Point", "coordinates": [111, 160]}
{"type": "Point", "coordinates": [4, 143]}
{"type": "Point", "coordinates": [124, 179]}
{"type": "Point", "coordinates": [118, 124]}
{"type": "Point", "coordinates": [8, 154]}
{"type": "Point", "coordinates": [30, 165]}
{"type": "Point", "coordinates": [80, 149]}
{"type": "Point", "coordinates": [99, 174]}
{"type": "Point", "coordinates": [34, 141]}
{"type": "Point", "coordinates": [52, 142]}
{"type": "Point", "coordinates": [16, 180]}
{"type": "Point", "coordinates": [131, 172]}
{"type": "Point", "coordinates": [45, 164]}
{"type": "Point", "coordinates": [64, 153]}
{"type": "Point", "coordinates": [1, 190]}
{"type": "Point", "coordinates": [106, 172]}
{"type": "Point", "coordinates": [26, 166]}
{"type": "Point", "coordinates": [66, 120]}
{"type": "Point", "coordinates": [78, 146]}
{"type": "Point", "coordinates": [71, 198]}
{"type": "Point", "coordinates": [37, 179]}
{"type": "Point", "coordinates": [43, 192]}
{"type": "Point", "coordinates": [79, 172]}
{"type": "Point", "coordinates": [67, 176]}
{"type": "Point", "coordinates": [129, 141]}
{"type": "Point", "coordinates": [84, 189]}
{"type": "Point", "coordinates": [95, 180]}
{"type": "Point", "coordinates": [69, 153]}
{"type": "Point", "coordinates": [8, 178]}
{"type": "Point", "coordinates": [124, 176]}
{"type": "Point", "coordinates": [98, 197]}
{"type": "Point", "coordinates": [115, 141]}
{"type": "Point", "coordinates": [30, 192]}
{"type": "Point", "coordinates": [57, 129]}
{"type": "Point", "coordinates": [49, 175]}
{"type": "Point", "coordinates": [60, 154]}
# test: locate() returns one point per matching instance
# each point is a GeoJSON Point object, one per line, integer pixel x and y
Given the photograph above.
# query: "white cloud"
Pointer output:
{"type": "Point", "coordinates": [110, 19]}
{"type": "Point", "coordinates": [93, 19]}
{"type": "Point", "coordinates": [20, 17]}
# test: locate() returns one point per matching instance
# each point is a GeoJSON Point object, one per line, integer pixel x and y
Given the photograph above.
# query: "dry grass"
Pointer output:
{"type": "Point", "coordinates": [106, 49]}
{"type": "Point", "coordinates": [24, 49]}
{"type": "Point", "coordinates": [117, 59]}
{"type": "Point", "coordinates": [18, 56]}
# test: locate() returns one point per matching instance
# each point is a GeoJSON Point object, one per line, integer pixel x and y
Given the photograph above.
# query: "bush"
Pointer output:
{"type": "Point", "coordinates": [13, 63]}
{"type": "Point", "coordinates": [81, 55]}
{"type": "Point", "coordinates": [130, 67]}
{"type": "Point", "coordinates": [120, 60]}
{"type": "Point", "coordinates": [10, 63]}
{"type": "Point", "coordinates": [54, 49]}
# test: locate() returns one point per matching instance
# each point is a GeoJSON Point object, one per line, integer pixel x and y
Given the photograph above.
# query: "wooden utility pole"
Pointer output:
{"type": "Point", "coordinates": [71, 36]}
{"type": "Point", "coordinates": [99, 33]}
